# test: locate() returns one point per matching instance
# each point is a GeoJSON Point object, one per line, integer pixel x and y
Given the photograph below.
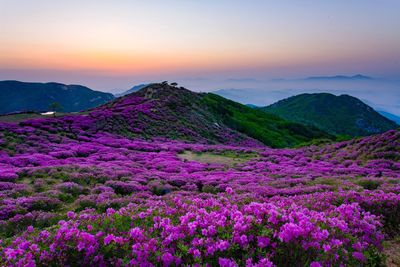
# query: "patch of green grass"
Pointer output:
{"type": "Point", "coordinates": [26, 116]}
{"type": "Point", "coordinates": [11, 140]}
{"type": "Point", "coordinates": [228, 157]}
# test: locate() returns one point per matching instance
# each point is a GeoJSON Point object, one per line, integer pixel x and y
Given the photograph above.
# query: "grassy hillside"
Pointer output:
{"type": "Point", "coordinates": [268, 128]}
{"type": "Point", "coordinates": [340, 115]}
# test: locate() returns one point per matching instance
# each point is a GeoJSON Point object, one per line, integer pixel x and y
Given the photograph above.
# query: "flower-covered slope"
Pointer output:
{"type": "Point", "coordinates": [73, 192]}
{"type": "Point", "coordinates": [162, 110]}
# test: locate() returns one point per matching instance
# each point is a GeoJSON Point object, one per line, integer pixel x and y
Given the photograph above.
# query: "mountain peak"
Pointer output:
{"type": "Point", "coordinates": [151, 89]}
{"type": "Point", "coordinates": [360, 76]}
{"type": "Point", "coordinates": [161, 90]}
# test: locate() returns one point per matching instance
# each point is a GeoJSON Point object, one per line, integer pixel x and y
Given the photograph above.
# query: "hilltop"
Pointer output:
{"type": "Point", "coordinates": [175, 112]}
{"type": "Point", "coordinates": [340, 115]}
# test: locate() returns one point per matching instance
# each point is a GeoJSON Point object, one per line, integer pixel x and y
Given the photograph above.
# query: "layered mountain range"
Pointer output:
{"type": "Point", "coordinates": [164, 110]}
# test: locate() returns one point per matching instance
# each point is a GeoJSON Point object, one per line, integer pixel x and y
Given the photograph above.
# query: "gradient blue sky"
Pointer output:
{"type": "Point", "coordinates": [110, 45]}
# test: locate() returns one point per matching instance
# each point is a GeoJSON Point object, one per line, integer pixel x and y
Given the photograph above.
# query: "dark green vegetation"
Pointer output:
{"type": "Point", "coordinates": [339, 115]}
{"type": "Point", "coordinates": [18, 96]}
{"type": "Point", "coordinates": [267, 128]}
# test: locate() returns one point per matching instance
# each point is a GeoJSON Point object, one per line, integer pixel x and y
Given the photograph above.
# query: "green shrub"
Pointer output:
{"type": "Point", "coordinates": [369, 184]}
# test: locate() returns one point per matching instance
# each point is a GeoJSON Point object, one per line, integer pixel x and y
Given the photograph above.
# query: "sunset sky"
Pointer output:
{"type": "Point", "coordinates": [109, 45]}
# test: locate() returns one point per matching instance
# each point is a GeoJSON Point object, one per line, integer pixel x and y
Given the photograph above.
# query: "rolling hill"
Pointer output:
{"type": "Point", "coordinates": [340, 115]}
{"type": "Point", "coordinates": [164, 111]}
{"type": "Point", "coordinates": [176, 112]}
{"type": "Point", "coordinates": [18, 96]}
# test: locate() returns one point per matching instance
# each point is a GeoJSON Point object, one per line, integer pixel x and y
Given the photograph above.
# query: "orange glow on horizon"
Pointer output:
{"type": "Point", "coordinates": [125, 62]}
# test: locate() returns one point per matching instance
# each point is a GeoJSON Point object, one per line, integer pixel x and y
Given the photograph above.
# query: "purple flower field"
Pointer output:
{"type": "Point", "coordinates": [75, 192]}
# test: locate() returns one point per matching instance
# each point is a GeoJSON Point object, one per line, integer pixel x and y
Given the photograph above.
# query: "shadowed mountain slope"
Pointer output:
{"type": "Point", "coordinates": [18, 96]}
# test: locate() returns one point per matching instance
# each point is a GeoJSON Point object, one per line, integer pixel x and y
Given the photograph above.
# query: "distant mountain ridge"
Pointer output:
{"type": "Point", "coordinates": [344, 114]}
{"type": "Point", "coordinates": [390, 116]}
{"type": "Point", "coordinates": [16, 96]}
{"type": "Point", "coordinates": [339, 78]}
{"type": "Point", "coordinates": [132, 90]}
